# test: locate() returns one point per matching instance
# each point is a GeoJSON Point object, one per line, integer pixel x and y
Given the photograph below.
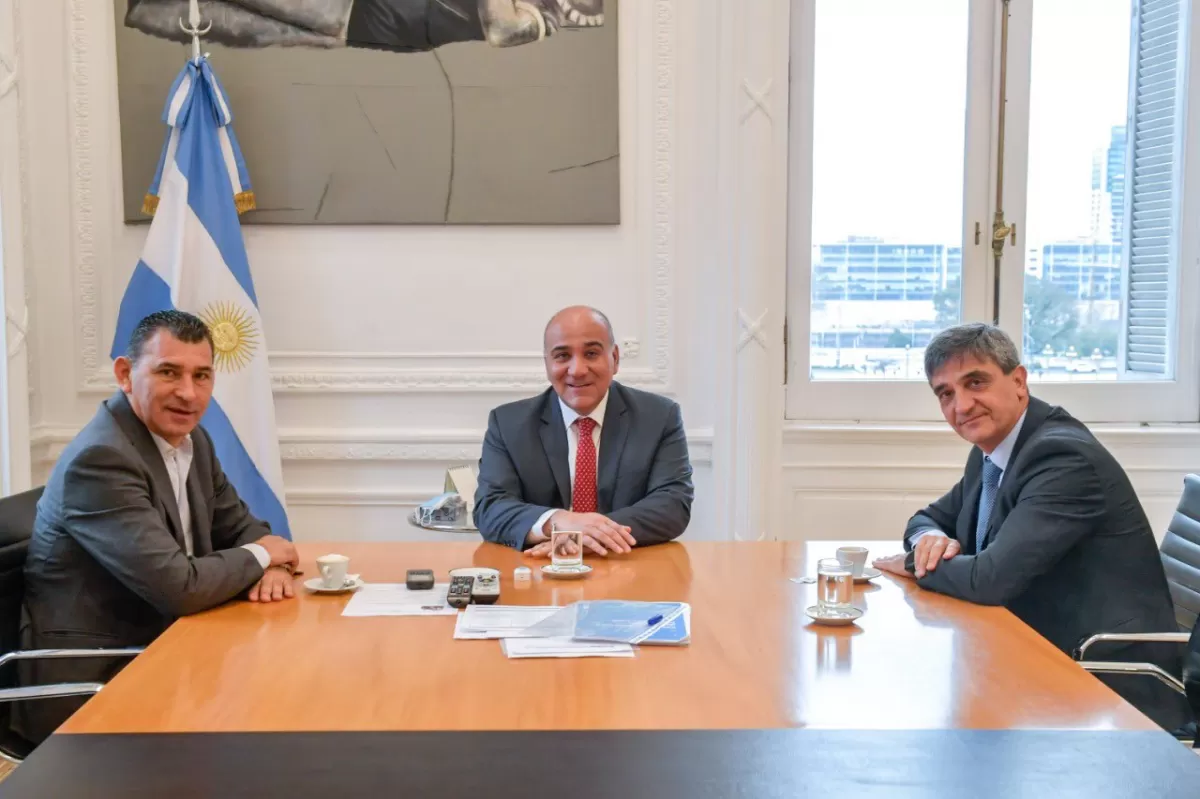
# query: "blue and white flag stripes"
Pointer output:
{"type": "Point", "coordinates": [195, 260]}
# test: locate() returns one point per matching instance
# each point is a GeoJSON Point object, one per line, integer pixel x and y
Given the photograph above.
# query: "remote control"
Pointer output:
{"type": "Point", "coordinates": [459, 595]}
{"type": "Point", "coordinates": [486, 590]}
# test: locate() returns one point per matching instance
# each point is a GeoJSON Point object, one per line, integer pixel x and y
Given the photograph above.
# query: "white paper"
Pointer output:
{"type": "Point", "coordinates": [462, 480]}
{"type": "Point", "coordinates": [498, 621]}
{"type": "Point", "coordinates": [563, 647]}
{"type": "Point", "coordinates": [395, 599]}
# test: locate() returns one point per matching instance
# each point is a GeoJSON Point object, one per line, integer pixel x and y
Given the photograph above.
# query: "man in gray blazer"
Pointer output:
{"type": "Point", "coordinates": [138, 524]}
{"type": "Point", "coordinates": [1043, 522]}
{"type": "Point", "coordinates": [587, 454]}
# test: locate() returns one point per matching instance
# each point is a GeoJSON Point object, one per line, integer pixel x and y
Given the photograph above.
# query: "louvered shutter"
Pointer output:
{"type": "Point", "coordinates": [1151, 190]}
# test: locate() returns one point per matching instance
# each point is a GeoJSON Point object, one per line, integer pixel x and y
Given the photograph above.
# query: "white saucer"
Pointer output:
{"type": "Point", "coordinates": [868, 575]}
{"type": "Point", "coordinates": [840, 620]}
{"type": "Point", "coordinates": [317, 585]}
{"type": "Point", "coordinates": [569, 573]}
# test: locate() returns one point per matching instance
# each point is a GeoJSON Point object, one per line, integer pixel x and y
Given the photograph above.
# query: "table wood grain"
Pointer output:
{"type": "Point", "coordinates": [915, 660]}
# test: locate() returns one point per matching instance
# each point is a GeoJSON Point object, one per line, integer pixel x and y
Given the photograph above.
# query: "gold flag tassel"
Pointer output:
{"type": "Point", "coordinates": [150, 204]}
{"type": "Point", "coordinates": [244, 201]}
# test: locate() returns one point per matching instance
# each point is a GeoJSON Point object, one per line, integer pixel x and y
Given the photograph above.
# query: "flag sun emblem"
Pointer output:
{"type": "Point", "coordinates": [233, 333]}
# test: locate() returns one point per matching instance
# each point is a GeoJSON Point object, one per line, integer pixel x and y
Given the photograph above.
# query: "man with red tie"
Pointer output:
{"type": "Point", "coordinates": [588, 454]}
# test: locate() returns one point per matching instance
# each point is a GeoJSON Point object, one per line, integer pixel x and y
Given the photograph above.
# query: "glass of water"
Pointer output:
{"type": "Point", "coordinates": [835, 584]}
{"type": "Point", "coordinates": [566, 549]}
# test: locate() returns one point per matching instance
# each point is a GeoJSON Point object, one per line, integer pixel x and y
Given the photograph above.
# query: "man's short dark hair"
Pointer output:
{"type": "Point", "coordinates": [982, 341]}
{"type": "Point", "coordinates": [182, 325]}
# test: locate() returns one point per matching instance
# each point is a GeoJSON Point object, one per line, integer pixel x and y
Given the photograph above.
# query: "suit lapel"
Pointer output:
{"type": "Point", "coordinates": [135, 430]}
{"type": "Point", "coordinates": [1035, 415]}
{"type": "Point", "coordinates": [612, 444]}
{"type": "Point", "coordinates": [554, 442]}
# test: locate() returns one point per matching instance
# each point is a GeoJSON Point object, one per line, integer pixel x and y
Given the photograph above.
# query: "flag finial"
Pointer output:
{"type": "Point", "coordinates": [193, 28]}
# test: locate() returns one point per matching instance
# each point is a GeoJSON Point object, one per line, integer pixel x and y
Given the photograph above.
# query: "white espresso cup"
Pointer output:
{"type": "Point", "coordinates": [855, 558]}
{"type": "Point", "coordinates": [333, 568]}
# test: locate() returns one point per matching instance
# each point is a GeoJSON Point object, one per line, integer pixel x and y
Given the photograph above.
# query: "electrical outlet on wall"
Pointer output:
{"type": "Point", "coordinates": [630, 347]}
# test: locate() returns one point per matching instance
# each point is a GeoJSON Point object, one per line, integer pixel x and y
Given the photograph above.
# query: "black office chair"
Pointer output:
{"type": "Point", "coordinates": [17, 514]}
{"type": "Point", "coordinates": [1191, 677]}
{"type": "Point", "coordinates": [1180, 553]}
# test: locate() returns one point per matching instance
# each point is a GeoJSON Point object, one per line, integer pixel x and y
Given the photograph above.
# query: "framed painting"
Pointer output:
{"type": "Point", "coordinates": [393, 111]}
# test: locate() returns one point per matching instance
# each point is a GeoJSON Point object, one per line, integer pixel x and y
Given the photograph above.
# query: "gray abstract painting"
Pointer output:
{"type": "Point", "coordinates": [393, 111]}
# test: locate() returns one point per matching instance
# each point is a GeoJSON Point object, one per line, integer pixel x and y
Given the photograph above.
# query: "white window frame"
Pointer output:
{"type": "Point", "coordinates": [1151, 400]}
{"type": "Point", "coordinates": [1176, 400]}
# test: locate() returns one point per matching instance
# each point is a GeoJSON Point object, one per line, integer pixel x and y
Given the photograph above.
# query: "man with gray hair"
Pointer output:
{"type": "Point", "coordinates": [1044, 521]}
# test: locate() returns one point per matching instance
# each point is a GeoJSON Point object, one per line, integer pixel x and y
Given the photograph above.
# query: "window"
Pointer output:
{"type": "Point", "coordinates": [879, 258]}
{"type": "Point", "coordinates": [1082, 320]}
{"type": "Point", "coordinates": [892, 193]}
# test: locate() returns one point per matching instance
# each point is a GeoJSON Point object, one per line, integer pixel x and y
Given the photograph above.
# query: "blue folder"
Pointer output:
{"type": "Point", "coordinates": [666, 623]}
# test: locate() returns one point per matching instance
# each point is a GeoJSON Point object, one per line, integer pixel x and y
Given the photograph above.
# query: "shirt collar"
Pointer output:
{"type": "Point", "coordinates": [184, 448]}
{"type": "Point", "coordinates": [1003, 452]}
{"type": "Point", "coordinates": [597, 414]}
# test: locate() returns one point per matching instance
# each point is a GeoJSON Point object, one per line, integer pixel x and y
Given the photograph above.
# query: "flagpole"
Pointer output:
{"type": "Point", "coordinates": [193, 27]}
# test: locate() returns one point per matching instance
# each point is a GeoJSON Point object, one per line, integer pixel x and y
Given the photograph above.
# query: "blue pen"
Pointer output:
{"type": "Point", "coordinates": [654, 621]}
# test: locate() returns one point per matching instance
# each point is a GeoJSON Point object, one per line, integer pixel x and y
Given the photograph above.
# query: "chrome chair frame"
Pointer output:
{"type": "Point", "coordinates": [55, 690]}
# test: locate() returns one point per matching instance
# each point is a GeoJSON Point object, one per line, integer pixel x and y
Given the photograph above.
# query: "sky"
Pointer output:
{"type": "Point", "coordinates": [890, 108]}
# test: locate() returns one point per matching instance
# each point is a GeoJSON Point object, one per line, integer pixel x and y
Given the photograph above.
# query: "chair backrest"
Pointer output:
{"type": "Point", "coordinates": [1191, 674]}
{"type": "Point", "coordinates": [1181, 555]}
{"type": "Point", "coordinates": [17, 514]}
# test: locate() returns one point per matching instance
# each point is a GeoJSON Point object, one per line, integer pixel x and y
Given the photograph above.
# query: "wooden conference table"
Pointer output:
{"type": "Point", "coordinates": [924, 694]}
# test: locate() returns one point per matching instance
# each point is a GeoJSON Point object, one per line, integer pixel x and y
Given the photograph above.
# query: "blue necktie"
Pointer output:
{"type": "Point", "coordinates": [987, 498]}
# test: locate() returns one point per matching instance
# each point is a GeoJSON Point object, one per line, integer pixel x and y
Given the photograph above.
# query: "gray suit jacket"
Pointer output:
{"type": "Point", "coordinates": [1069, 550]}
{"type": "Point", "coordinates": [645, 479]}
{"type": "Point", "coordinates": [106, 564]}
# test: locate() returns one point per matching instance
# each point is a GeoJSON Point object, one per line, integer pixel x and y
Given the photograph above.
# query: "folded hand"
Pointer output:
{"type": "Point", "coordinates": [275, 585]}
{"type": "Point", "coordinates": [893, 564]}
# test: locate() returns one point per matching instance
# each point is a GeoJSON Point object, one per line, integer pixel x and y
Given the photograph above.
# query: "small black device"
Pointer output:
{"type": "Point", "coordinates": [419, 579]}
{"type": "Point", "coordinates": [459, 595]}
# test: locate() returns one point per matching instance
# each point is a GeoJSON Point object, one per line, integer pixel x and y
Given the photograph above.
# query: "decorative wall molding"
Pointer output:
{"type": "Point", "coordinates": [27, 245]}
{"type": "Point", "coordinates": [16, 248]}
{"type": "Point", "coordinates": [447, 445]}
{"type": "Point", "coordinates": [94, 174]}
{"type": "Point", "coordinates": [759, 101]}
{"type": "Point", "coordinates": [328, 497]}
{"type": "Point", "coordinates": [663, 229]}
{"type": "Point", "coordinates": [399, 380]}
{"type": "Point", "coordinates": [920, 436]}
{"type": "Point", "coordinates": [82, 58]}
{"type": "Point", "coordinates": [752, 50]}
{"type": "Point", "coordinates": [752, 330]}
{"type": "Point", "coordinates": [870, 478]}
{"type": "Point", "coordinates": [8, 72]}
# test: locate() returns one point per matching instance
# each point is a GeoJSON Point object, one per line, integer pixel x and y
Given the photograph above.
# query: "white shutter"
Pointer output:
{"type": "Point", "coordinates": [1151, 189]}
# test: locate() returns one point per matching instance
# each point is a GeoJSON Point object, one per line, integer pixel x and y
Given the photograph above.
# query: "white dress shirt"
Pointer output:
{"type": "Point", "coordinates": [999, 456]}
{"type": "Point", "coordinates": [569, 417]}
{"type": "Point", "coordinates": [178, 461]}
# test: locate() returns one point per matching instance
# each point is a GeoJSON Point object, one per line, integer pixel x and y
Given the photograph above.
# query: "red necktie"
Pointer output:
{"type": "Point", "coordinates": [583, 496]}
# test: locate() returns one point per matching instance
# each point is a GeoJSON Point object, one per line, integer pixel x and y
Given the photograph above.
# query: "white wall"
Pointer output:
{"type": "Point", "coordinates": [378, 388]}
{"type": "Point", "coordinates": [865, 480]}
{"type": "Point", "coordinates": [14, 369]}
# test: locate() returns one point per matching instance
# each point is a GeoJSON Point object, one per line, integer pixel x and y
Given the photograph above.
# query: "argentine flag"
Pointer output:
{"type": "Point", "coordinates": [195, 260]}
